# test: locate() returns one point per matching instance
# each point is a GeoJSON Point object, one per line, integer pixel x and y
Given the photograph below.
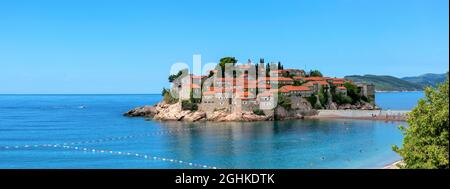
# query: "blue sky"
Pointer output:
{"type": "Point", "coordinates": [87, 46]}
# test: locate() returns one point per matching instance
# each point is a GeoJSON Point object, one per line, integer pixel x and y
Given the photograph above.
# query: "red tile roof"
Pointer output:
{"type": "Point", "coordinates": [314, 78]}
{"type": "Point", "coordinates": [209, 92]}
{"type": "Point", "coordinates": [299, 77]}
{"type": "Point", "coordinates": [321, 82]}
{"type": "Point", "coordinates": [289, 88]}
{"type": "Point", "coordinates": [275, 79]}
{"type": "Point", "coordinates": [195, 86]}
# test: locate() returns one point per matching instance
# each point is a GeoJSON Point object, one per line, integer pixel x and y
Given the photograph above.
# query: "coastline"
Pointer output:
{"type": "Point", "coordinates": [382, 115]}
{"type": "Point", "coordinates": [174, 112]}
{"type": "Point", "coordinates": [393, 165]}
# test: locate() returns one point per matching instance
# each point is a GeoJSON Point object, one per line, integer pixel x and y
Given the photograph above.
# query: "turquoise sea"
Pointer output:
{"type": "Point", "coordinates": [89, 131]}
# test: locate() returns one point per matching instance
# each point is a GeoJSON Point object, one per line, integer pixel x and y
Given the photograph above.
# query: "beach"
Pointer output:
{"type": "Point", "coordinates": [384, 115]}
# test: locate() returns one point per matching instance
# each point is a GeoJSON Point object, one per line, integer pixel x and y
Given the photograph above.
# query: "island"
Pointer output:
{"type": "Point", "coordinates": [262, 92]}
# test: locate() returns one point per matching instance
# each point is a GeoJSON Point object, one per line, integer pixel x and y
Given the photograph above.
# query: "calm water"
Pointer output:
{"type": "Point", "coordinates": [83, 123]}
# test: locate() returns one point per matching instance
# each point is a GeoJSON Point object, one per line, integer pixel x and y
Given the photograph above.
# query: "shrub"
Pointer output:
{"type": "Point", "coordinates": [168, 98]}
{"type": "Point", "coordinates": [426, 144]}
{"type": "Point", "coordinates": [188, 105]}
{"type": "Point", "coordinates": [312, 100]}
{"type": "Point", "coordinates": [284, 102]}
{"type": "Point", "coordinates": [339, 98]}
{"type": "Point", "coordinates": [258, 112]}
{"type": "Point", "coordinates": [353, 92]}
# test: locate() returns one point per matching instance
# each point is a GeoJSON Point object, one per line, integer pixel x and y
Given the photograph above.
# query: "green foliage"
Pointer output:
{"type": "Point", "coordinates": [426, 80]}
{"type": "Point", "coordinates": [353, 92]}
{"type": "Point", "coordinates": [188, 105]}
{"type": "Point", "coordinates": [312, 99]}
{"type": "Point", "coordinates": [426, 141]}
{"type": "Point", "coordinates": [365, 99]}
{"type": "Point", "coordinates": [297, 83]}
{"type": "Point", "coordinates": [385, 83]}
{"type": "Point", "coordinates": [211, 73]}
{"type": "Point", "coordinates": [175, 76]}
{"type": "Point", "coordinates": [258, 112]}
{"type": "Point", "coordinates": [280, 66]}
{"type": "Point", "coordinates": [167, 97]}
{"type": "Point", "coordinates": [226, 60]}
{"type": "Point", "coordinates": [315, 73]}
{"type": "Point", "coordinates": [284, 102]}
{"type": "Point", "coordinates": [340, 99]}
{"type": "Point", "coordinates": [323, 96]}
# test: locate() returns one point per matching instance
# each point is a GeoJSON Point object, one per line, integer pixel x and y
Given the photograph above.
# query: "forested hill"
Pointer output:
{"type": "Point", "coordinates": [386, 83]}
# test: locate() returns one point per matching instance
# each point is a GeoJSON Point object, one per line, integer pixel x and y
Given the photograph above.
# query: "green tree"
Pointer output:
{"type": "Point", "coordinates": [175, 76]}
{"type": "Point", "coordinates": [284, 101]}
{"type": "Point", "coordinates": [167, 97]}
{"type": "Point", "coordinates": [426, 141]}
{"type": "Point", "coordinates": [340, 99]}
{"type": "Point", "coordinates": [315, 73]}
{"type": "Point", "coordinates": [353, 92]}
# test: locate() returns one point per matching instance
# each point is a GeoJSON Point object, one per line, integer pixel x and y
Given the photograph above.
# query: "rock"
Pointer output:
{"type": "Point", "coordinates": [195, 116]}
{"type": "Point", "coordinates": [170, 112]}
{"type": "Point", "coordinates": [332, 106]}
{"type": "Point", "coordinates": [144, 111]}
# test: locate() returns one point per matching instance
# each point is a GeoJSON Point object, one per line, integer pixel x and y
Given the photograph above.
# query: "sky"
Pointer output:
{"type": "Point", "coordinates": [128, 47]}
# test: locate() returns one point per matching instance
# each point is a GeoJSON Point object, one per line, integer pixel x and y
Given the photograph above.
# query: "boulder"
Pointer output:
{"type": "Point", "coordinates": [195, 116]}
{"type": "Point", "coordinates": [144, 111]}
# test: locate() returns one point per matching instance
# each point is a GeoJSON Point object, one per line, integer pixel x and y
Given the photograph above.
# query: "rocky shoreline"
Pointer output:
{"type": "Point", "coordinates": [173, 112]}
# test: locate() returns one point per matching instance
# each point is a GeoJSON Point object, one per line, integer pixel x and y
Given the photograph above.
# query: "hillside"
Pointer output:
{"type": "Point", "coordinates": [386, 83]}
{"type": "Point", "coordinates": [427, 79]}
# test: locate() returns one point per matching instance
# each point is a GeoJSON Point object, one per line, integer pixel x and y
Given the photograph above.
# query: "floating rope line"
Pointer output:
{"type": "Point", "coordinates": [145, 156]}
{"type": "Point", "coordinates": [169, 132]}
{"type": "Point", "coordinates": [159, 133]}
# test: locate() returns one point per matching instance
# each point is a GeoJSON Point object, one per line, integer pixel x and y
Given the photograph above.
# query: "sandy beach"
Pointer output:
{"type": "Point", "coordinates": [393, 165]}
{"type": "Point", "coordinates": [385, 115]}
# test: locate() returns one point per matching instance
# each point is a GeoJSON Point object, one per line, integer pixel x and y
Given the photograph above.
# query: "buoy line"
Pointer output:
{"type": "Point", "coordinates": [172, 131]}
{"type": "Point", "coordinates": [145, 156]}
{"type": "Point", "coordinates": [136, 136]}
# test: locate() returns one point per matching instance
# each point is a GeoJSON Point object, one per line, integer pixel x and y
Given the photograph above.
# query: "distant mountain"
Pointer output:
{"type": "Point", "coordinates": [386, 83]}
{"type": "Point", "coordinates": [427, 79]}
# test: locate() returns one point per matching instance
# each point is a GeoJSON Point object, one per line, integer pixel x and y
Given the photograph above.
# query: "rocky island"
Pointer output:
{"type": "Point", "coordinates": [255, 92]}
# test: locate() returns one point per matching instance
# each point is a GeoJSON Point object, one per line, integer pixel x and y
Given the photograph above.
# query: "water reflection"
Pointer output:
{"type": "Point", "coordinates": [281, 144]}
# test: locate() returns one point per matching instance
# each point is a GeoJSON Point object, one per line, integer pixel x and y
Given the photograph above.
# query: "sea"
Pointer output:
{"type": "Point", "coordinates": [90, 132]}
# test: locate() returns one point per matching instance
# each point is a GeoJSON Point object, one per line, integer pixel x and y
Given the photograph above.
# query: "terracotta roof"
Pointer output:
{"type": "Point", "coordinates": [341, 87]}
{"type": "Point", "coordinates": [266, 93]}
{"type": "Point", "coordinates": [224, 79]}
{"type": "Point", "coordinates": [209, 92]}
{"type": "Point", "coordinates": [278, 71]}
{"type": "Point", "coordinates": [275, 79]}
{"type": "Point", "coordinates": [294, 70]}
{"type": "Point", "coordinates": [338, 79]}
{"type": "Point", "coordinates": [314, 78]}
{"type": "Point", "coordinates": [289, 88]}
{"type": "Point", "coordinates": [299, 77]}
{"type": "Point", "coordinates": [337, 82]}
{"type": "Point", "coordinates": [222, 90]}
{"type": "Point", "coordinates": [244, 66]}
{"type": "Point", "coordinates": [308, 84]}
{"type": "Point", "coordinates": [321, 82]}
{"type": "Point", "coordinates": [195, 86]}
{"type": "Point", "coordinates": [245, 94]}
